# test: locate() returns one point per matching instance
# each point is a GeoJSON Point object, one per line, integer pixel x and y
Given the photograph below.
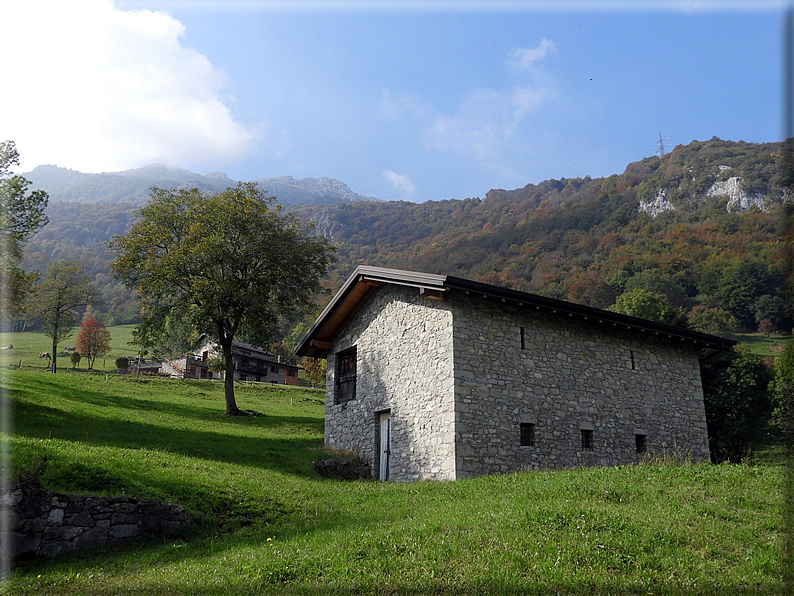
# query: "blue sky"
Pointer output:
{"type": "Point", "coordinates": [398, 103]}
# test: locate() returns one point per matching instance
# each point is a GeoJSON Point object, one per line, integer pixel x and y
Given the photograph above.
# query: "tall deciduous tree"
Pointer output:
{"type": "Point", "coordinates": [738, 408]}
{"type": "Point", "coordinates": [783, 393]}
{"type": "Point", "coordinates": [315, 370]}
{"type": "Point", "coordinates": [65, 290]}
{"type": "Point", "coordinates": [93, 340]}
{"type": "Point", "coordinates": [230, 261]}
{"type": "Point", "coordinates": [646, 305]}
{"type": "Point", "coordinates": [21, 215]}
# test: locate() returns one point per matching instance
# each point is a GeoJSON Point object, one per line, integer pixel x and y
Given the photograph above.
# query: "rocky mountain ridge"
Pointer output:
{"type": "Point", "coordinates": [132, 186]}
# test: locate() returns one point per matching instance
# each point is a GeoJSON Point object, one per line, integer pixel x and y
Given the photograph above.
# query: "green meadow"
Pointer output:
{"type": "Point", "coordinates": [27, 345]}
{"type": "Point", "coordinates": [269, 524]}
{"type": "Point", "coordinates": [763, 345]}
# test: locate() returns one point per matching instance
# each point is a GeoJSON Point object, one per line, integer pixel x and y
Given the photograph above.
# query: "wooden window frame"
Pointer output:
{"type": "Point", "coordinates": [345, 376]}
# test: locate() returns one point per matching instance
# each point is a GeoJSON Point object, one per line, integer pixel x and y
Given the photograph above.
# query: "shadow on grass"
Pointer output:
{"type": "Point", "coordinates": [281, 453]}
{"type": "Point", "coordinates": [81, 396]}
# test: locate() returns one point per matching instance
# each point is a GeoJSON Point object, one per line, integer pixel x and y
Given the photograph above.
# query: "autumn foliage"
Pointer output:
{"type": "Point", "coordinates": [93, 340]}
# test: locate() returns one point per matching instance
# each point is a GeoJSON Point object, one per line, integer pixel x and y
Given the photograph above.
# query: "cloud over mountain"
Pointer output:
{"type": "Point", "coordinates": [103, 89]}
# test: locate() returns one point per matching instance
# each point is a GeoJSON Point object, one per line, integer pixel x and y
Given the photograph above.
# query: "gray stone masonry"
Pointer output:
{"type": "Point", "coordinates": [404, 364]}
{"type": "Point", "coordinates": [458, 385]}
{"type": "Point", "coordinates": [47, 524]}
{"type": "Point", "coordinates": [570, 376]}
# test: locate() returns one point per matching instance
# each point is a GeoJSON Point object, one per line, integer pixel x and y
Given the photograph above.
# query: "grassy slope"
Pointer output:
{"type": "Point", "coordinates": [29, 344]}
{"type": "Point", "coordinates": [270, 524]}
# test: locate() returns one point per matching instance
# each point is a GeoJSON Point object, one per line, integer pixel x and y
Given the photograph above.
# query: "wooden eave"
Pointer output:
{"type": "Point", "coordinates": [355, 291]}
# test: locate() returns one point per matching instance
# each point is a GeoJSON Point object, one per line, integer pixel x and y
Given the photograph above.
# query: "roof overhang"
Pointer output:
{"type": "Point", "coordinates": [358, 287]}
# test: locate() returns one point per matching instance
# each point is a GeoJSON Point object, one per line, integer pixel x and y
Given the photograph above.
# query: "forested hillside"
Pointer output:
{"type": "Point", "coordinates": [699, 226]}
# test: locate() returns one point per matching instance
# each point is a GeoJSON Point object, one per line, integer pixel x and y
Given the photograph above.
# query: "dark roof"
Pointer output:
{"type": "Point", "coordinates": [318, 341]}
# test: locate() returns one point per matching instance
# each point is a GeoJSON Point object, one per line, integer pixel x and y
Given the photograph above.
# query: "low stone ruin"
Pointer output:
{"type": "Point", "coordinates": [47, 524]}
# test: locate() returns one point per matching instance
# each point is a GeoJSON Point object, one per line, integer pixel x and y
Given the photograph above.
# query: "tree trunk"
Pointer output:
{"type": "Point", "coordinates": [228, 381]}
{"type": "Point", "coordinates": [54, 357]}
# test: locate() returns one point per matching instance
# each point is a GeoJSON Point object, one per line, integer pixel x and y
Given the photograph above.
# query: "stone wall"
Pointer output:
{"type": "Point", "coordinates": [47, 524]}
{"type": "Point", "coordinates": [570, 375]}
{"type": "Point", "coordinates": [404, 364]}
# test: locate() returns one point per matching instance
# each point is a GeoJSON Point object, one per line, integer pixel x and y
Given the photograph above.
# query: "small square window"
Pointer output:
{"type": "Point", "coordinates": [587, 440]}
{"type": "Point", "coordinates": [527, 434]}
{"type": "Point", "coordinates": [641, 443]}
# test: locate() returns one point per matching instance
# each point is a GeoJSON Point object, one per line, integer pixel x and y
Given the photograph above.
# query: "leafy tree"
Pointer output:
{"type": "Point", "coordinates": [738, 408]}
{"type": "Point", "coordinates": [591, 290]}
{"type": "Point", "coordinates": [771, 308]}
{"type": "Point", "coordinates": [230, 261]}
{"type": "Point", "coordinates": [75, 358]}
{"type": "Point", "coordinates": [285, 348]}
{"type": "Point", "coordinates": [176, 335]}
{"type": "Point", "coordinates": [654, 281]}
{"type": "Point", "coordinates": [711, 320]}
{"type": "Point", "coordinates": [740, 284]}
{"type": "Point", "coordinates": [782, 389]}
{"type": "Point", "coordinates": [216, 364]}
{"type": "Point", "coordinates": [646, 305]}
{"type": "Point", "coordinates": [315, 370]}
{"type": "Point", "coordinates": [21, 215]}
{"type": "Point", "coordinates": [93, 340]}
{"type": "Point", "coordinates": [65, 290]}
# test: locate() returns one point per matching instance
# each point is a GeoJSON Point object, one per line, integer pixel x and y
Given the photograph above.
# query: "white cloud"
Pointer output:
{"type": "Point", "coordinates": [95, 88]}
{"type": "Point", "coordinates": [486, 120]}
{"type": "Point", "coordinates": [400, 182]}
{"type": "Point", "coordinates": [393, 108]}
{"type": "Point", "coordinates": [526, 58]}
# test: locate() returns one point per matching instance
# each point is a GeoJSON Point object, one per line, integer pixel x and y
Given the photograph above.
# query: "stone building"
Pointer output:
{"type": "Point", "coordinates": [437, 377]}
{"type": "Point", "coordinates": [251, 363]}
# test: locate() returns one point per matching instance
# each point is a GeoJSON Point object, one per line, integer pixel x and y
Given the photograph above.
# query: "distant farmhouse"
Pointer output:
{"type": "Point", "coordinates": [437, 377]}
{"type": "Point", "coordinates": [251, 363]}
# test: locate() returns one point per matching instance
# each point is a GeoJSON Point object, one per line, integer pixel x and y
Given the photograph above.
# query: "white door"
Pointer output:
{"type": "Point", "coordinates": [385, 445]}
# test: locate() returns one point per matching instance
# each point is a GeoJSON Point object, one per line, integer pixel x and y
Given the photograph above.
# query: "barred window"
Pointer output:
{"type": "Point", "coordinates": [587, 439]}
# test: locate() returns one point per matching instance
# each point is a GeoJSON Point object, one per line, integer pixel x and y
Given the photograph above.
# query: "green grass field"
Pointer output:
{"type": "Point", "coordinates": [29, 344]}
{"type": "Point", "coordinates": [271, 525]}
{"type": "Point", "coordinates": [762, 345]}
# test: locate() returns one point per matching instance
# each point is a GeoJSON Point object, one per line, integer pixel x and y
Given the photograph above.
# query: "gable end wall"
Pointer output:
{"type": "Point", "coordinates": [404, 364]}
